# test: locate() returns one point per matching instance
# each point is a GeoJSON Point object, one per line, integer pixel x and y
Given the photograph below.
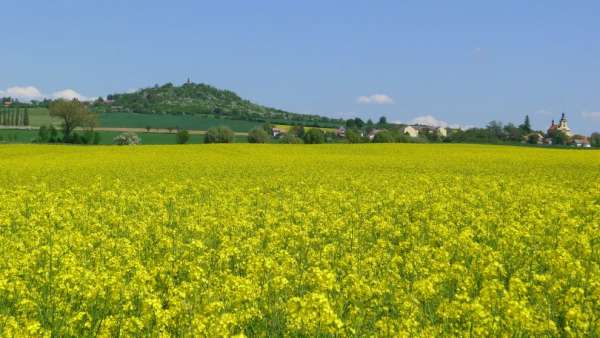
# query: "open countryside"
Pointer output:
{"type": "Point", "coordinates": [218, 240]}
{"type": "Point", "coordinates": [300, 169]}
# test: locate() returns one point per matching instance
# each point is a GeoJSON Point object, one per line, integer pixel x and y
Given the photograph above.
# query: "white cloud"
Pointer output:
{"type": "Point", "coordinates": [29, 93]}
{"type": "Point", "coordinates": [429, 120]}
{"type": "Point", "coordinates": [375, 99]}
{"type": "Point", "coordinates": [591, 115]}
{"type": "Point", "coordinates": [23, 93]}
{"type": "Point", "coordinates": [68, 94]}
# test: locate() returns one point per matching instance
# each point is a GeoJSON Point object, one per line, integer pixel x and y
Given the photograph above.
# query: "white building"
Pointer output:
{"type": "Point", "coordinates": [411, 131]}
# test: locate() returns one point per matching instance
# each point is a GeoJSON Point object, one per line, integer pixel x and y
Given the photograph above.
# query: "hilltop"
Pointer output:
{"type": "Point", "coordinates": [199, 99]}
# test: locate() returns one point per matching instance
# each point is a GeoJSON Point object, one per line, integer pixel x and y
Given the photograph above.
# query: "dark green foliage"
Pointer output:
{"type": "Point", "coordinates": [526, 126]}
{"type": "Point", "coordinates": [533, 138]}
{"type": "Point", "coordinates": [26, 117]}
{"type": "Point", "coordinates": [53, 134]}
{"type": "Point", "coordinates": [384, 136]}
{"type": "Point", "coordinates": [595, 140]}
{"type": "Point", "coordinates": [290, 139]}
{"type": "Point", "coordinates": [297, 131]}
{"type": "Point", "coordinates": [43, 135]}
{"type": "Point", "coordinates": [182, 137]}
{"type": "Point", "coordinates": [353, 136]}
{"type": "Point", "coordinates": [219, 135]}
{"type": "Point", "coordinates": [558, 137]}
{"type": "Point", "coordinates": [314, 136]}
{"type": "Point", "coordinates": [192, 98]}
{"type": "Point", "coordinates": [258, 135]}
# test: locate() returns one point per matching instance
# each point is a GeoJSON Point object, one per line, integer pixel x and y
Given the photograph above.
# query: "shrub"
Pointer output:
{"type": "Point", "coordinates": [383, 136]}
{"type": "Point", "coordinates": [127, 139]}
{"type": "Point", "coordinates": [258, 135]}
{"type": "Point", "coordinates": [290, 139]}
{"type": "Point", "coordinates": [182, 136]}
{"type": "Point", "coordinates": [43, 134]}
{"type": "Point", "coordinates": [314, 136]}
{"type": "Point", "coordinates": [219, 135]}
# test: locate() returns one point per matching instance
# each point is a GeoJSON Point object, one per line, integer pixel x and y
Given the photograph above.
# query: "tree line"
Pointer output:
{"type": "Point", "coordinates": [14, 117]}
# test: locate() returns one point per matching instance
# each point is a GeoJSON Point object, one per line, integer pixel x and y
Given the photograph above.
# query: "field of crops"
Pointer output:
{"type": "Point", "coordinates": [295, 240]}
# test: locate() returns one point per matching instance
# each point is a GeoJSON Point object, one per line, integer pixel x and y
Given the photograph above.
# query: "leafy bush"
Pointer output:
{"type": "Point", "coordinates": [182, 136]}
{"type": "Point", "coordinates": [290, 139]}
{"type": "Point", "coordinates": [314, 136]}
{"type": "Point", "coordinates": [219, 135]}
{"type": "Point", "coordinates": [258, 135]}
{"type": "Point", "coordinates": [384, 136]}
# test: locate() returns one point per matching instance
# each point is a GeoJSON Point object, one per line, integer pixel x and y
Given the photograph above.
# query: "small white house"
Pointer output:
{"type": "Point", "coordinates": [275, 132]}
{"type": "Point", "coordinates": [411, 131]}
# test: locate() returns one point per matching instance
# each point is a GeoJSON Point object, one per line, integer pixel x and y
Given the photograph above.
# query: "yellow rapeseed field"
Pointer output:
{"type": "Point", "coordinates": [297, 240]}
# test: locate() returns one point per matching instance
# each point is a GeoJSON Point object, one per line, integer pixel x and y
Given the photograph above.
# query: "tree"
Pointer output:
{"type": "Point", "coordinates": [290, 139]}
{"type": "Point", "coordinates": [595, 140]}
{"type": "Point", "coordinates": [353, 136]}
{"type": "Point", "coordinates": [182, 137]}
{"type": "Point", "coordinates": [314, 136]}
{"type": "Point", "coordinates": [526, 126]}
{"type": "Point", "coordinates": [219, 135]}
{"type": "Point", "coordinates": [73, 114]}
{"type": "Point", "coordinates": [558, 137]}
{"type": "Point", "coordinates": [43, 135]}
{"type": "Point", "coordinates": [495, 131]}
{"type": "Point", "coordinates": [382, 122]}
{"type": "Point", "coordinates": [258, 135]}
{"type": "Point", "coordinates": [384, 136]}
{"type": "Point", "coordinates": [533, 138]}
{"type": "Point", "coordinates": [148, 129]}
{"type": "Point", "coordinates": [298, 131]}
{"type": "Point", "coordinates": [53, 137]}
{"type": "Point", "coordinates": [26, 117]}
{"type": "Point", "coordinates": [514, 134]}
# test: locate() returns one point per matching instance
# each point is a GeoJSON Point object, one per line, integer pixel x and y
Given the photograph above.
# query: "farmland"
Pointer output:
{"type": "Point", "coordinates": [328, 240]}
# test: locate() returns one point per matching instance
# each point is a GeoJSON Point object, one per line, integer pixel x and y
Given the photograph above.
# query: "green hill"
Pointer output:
{"type": "Point", "coordinates": [202, 99]}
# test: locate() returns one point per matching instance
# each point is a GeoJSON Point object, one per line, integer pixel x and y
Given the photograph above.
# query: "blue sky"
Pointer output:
{"type": "Point", "coordinates": [462, 62]}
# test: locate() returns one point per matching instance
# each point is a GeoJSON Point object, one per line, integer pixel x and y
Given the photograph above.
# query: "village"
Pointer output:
{"type": "Point", "coordinates": [559, 134]}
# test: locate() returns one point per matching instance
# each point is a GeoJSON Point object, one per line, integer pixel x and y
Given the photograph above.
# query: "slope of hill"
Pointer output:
{"type": "Point", "coordinates": [192, 98]}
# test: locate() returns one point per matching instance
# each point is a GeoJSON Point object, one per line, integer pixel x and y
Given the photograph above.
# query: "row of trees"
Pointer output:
{"type": "Point", "coordinates": [14, 117]}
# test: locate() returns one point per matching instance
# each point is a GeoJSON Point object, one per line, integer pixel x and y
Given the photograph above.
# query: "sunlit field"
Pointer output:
{"type": "Point", "coordinates": [298, 240]}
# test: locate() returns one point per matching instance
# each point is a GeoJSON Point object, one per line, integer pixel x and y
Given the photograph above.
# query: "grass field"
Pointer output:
{"type": "Point", "coordinates": [40, 116]}
{"type": "Point", "coordinates": [191, 122]}
{"type": "Point", "coordinates": [298, 240]}
{"type": "Point", "coordinates": [106, 137]}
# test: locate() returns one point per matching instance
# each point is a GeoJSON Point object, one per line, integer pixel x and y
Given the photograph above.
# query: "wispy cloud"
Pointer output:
{"type": "Point", "coordinates": [375, 99]}
{"type": "Point", "coordinates": [591, 115]}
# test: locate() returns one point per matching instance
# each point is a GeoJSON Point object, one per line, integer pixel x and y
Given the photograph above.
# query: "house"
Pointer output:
{"type": "Point", "coordinates": [562, 126]}
{"type": "Point", "coordinates": [276, 132]}
{"type": "Point", "coordinates": [442, 132]}
{"type": "Point", "coordinates": [580, 141]}
{"type": "Point", "coordinates": [7, 103]}
{"type": "Point", "coordinates": [340, 132]}
{"type": "Point", "coordinates": [411, 131]}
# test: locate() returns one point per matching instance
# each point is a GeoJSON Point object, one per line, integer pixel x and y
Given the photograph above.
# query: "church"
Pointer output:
{"type": "Point", "coordinates": [561, 126]}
